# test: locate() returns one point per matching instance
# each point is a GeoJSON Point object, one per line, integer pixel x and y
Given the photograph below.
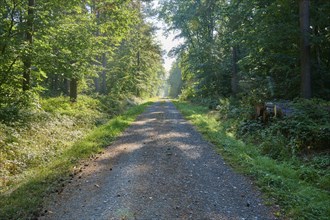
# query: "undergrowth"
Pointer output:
{"type": "Point", "coordinates": [43, 134]}
{"type": "Point", "coordinates": [299, 186]}
{"type": "Point", "coordinates": [39, 151]}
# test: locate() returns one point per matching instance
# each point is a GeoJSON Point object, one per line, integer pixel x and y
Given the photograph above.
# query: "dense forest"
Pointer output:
{"type": "Point", "coordinates": [262, 67]}
{"type": "Point", "coordinates": [265, 49]}
{"type": "Point", "coordinates": [263, 64]}
{"type": "Point", "coordinates": [58, 48]}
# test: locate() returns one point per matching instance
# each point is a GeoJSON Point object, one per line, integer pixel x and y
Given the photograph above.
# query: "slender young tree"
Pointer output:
{"type": "Point", "coordinates": [234, 78]}
{"type": "Point", "coordinates": [73, 89]}
{"type": "Point", "coordinates": [27, 60]}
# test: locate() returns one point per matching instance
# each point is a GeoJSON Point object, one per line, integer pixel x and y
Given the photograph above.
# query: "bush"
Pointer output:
{"type": "Point", "coordinates": [16, 107]}
{"type": "Point", "coordinates": [111, 105]}
{"type": "Point", "coordinates": [306, 130]}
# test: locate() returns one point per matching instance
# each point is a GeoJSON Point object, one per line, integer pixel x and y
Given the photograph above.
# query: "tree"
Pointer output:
{"type": "Point", "coordinates": [56, 48]}
{"type": "Point", "coordinates": [175, 80]}
{"type": "Point", "coordinates": [320, 45]}
{"type": "Point", "coordinates": [234, 79]}
{"type": "Point", "coordinates": [27, 59]}
{"type": "Point", "coordinates": [254, 44]}
{"type": "Point", "coordinates": [197, 23]}
{"type": "Point", "coordinates": [136, 68]}
{"type": "Point", "coordinates": [112, 21]}
{"type": "Point", "coordinates": [80, 42]}
{"type": "Point", "coordinates": [306, 88]}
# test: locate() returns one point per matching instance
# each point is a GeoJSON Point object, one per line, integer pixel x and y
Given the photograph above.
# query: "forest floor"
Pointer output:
{"type": "Point", "coordinates": [160, 168]}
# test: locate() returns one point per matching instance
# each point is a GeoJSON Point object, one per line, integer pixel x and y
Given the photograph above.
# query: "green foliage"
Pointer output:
{"type": "Point", "coordinates": [265, 36]}
{"type": "Point", "coordinates": [72, 42]}
{"type": "Point", "coordinates": [303, 132]}
{"type": "Point", "coordinates": [74, 142]}
{"type": "Point", "coordinates": [66, 49]}
{"type": "Point", "coordinates": [15, 49]}
{"type": "Point", "coordinates": [39, 136]}
{"type": "Point", "coordinates": [19, 108]}
{"type": "Point", "coordinates": [299, 187]}
{"type": "Point", "coordinates": [196, 22]}
{"type": "Point", "coordinates": [136, 69]}
{"type": "Point", "coordinates": [115, 105]}
{"type": "Point", "coordinates": [175, 81]}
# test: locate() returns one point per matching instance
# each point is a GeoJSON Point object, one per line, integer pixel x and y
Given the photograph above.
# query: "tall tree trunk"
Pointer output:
{"type": "Point", "coordinates": [104, 74]}
{"type": "Point", "coordinates": [27, 60]}
{"type": "Point", "coordinates": [73, 90]}
{"type": "Point", "coordinates": [54, 84]}
{"type": "Point", "coordinates": [97, 33]}
{"type": "Point", "coordinates": [304, 11]}
{"type": "Point", "coordinates": [234, 78]}
{"type": "Point", "coordinates": [97, 83]}
{"type": "Point", "coordinates": [317, 34]}
{"type": "Point", "coordinates": [66, 87]}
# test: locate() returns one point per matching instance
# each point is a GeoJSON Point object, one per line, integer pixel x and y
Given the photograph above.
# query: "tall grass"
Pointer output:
{"type": "Point", "coordinates": [300, 189]}
{"type": "Point", "coordinates": [42, 134]}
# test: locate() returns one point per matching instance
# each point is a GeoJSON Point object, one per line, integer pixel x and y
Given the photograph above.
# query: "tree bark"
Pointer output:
{"type": "Point", "coordinates": [306, 87]}
{"type": "Point", "coordinates": [97, 33]}
{"type": "Point", "coordinates": [66, 87]}
{"type": "Point", "coordinates": [234, 79]}
{"type": "Point", "coordinates": [54, 84]}
{"type": "Point", "coordinates": [27, 60]}
{"type": "Point", "coordinates": [73, 89]}
{"type": "Point", "coordinates": [104, 74]}
{"type": "Point", "coordinates": [97, 84]}
{"type": "Point", "coordinates": [317, 34]}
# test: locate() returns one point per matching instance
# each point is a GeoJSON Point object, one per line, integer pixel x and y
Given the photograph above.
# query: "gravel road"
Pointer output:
{"type": "Point", "coordinates": [160, 168]}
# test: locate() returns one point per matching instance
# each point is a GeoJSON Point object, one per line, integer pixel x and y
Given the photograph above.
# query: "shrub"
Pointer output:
{"type": "Point", "coordinates": [113, 105]}
{"type": "Point", "coordinates": [16, 107]}
{"type": "Point", "coordinates": [305, 131]}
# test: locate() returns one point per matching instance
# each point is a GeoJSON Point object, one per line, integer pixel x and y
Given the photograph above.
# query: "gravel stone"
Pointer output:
{"type": "Point", "coordinates": [160, 168]}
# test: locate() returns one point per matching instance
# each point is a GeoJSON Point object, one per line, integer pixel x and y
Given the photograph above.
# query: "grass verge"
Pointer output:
{"type": "Point", "coordinates": [24, 202]}
{"type": "Point", "coordinates": [282, 181]}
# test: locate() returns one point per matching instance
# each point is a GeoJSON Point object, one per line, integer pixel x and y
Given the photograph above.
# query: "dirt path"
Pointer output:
{"type": "Point", "coordinates": [160, 168]}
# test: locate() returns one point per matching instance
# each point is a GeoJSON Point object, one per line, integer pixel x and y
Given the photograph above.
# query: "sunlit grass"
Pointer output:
{"type": "Point", "coordinates": [287, 183]}
{"type": "Point", "coordinates": [43, 134]}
